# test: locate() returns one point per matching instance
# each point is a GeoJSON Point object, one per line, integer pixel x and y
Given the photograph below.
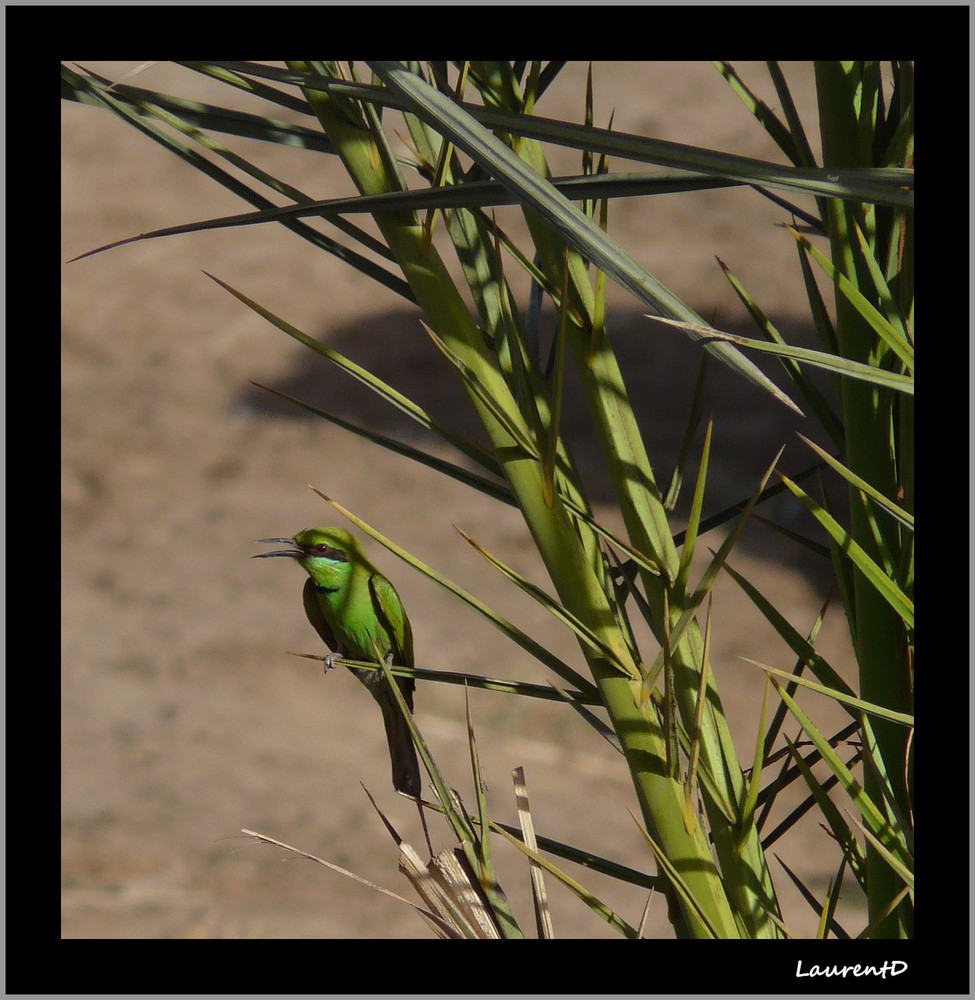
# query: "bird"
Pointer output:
{"type": "Point", "coordinates": [358, 614]}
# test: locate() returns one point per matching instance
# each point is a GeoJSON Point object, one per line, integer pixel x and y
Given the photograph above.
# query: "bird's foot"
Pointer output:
{"type": "Point", "coordinates": [389, 659]}
{"type": "Point", "coordinates": [330, 660]}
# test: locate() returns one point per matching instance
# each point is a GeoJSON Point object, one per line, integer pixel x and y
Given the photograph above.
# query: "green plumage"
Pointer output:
{"type": "Point", "coordinates": [359, 615]}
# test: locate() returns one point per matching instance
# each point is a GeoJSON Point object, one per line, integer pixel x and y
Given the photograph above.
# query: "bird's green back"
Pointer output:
{"type": "Point", "coordinates": [359, 604]}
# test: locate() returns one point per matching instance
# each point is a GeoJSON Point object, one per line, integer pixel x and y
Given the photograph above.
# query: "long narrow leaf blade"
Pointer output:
{"type": "Point", "coordinates": [523, 689]}
{"type": "Point", "coordinates": [228, 180]}
{"type": "Point", "coordinates": [901, 718]}
{"type": "Point", "coordinates": [561, 613]}
{"type": "Point", "coordinates": [904, 516]}
{"type": "Point", "coordinates": [494, 490]}
{"type": "Point", "coordinates": [884, 585]}
{"type": "Point", "coordinates": [818, 359]}
{"type": "Point", "coordinates": [472, 450]}
{"type": "Point", "coordinates": [881, 186]}
{"type": "Point", "coordinates": [892, 838]}
{"type": "Point", "coordinates": [591, 900]}
{"type": "Point", "coordinates": [893, 337]}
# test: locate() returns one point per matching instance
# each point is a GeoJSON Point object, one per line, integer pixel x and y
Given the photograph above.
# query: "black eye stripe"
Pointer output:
{"type": "Point", "coordinates": [337, 555]}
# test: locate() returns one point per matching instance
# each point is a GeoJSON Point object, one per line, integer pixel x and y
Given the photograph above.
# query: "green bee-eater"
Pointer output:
{"type": "Point", "coordinates": [356, 611]}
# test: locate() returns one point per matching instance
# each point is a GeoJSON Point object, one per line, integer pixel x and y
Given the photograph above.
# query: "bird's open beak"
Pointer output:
{"type": "Point", "coordinates": [293, 553]}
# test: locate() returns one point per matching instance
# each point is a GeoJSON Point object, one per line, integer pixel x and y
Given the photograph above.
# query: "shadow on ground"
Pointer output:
{"type": "Point", "coordinates": [660, 367]}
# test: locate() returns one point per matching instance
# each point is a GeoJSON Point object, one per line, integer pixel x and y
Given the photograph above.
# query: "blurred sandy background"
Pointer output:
{"type": "Point", "coordinates": [183, 717]}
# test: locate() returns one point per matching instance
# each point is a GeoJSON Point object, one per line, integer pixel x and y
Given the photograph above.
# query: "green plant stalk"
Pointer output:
{"type": "Point", "coordinates": [743, 866]}
{"type": "Point", "coordinates": [553, 528]}
{"type": "Point", "coordinates": [744, 871]}
{"type": "Point", "coordinates": [746, 878]}
{"type": "Point", "coordinates": [879, 637]}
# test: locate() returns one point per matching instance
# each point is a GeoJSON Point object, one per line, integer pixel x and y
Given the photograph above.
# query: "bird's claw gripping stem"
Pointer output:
{"type": "Point", "coordinates": [330, 660]}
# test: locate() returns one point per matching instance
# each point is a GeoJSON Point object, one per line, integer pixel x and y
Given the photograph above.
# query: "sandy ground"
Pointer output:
{"type": "Point", "coordinates": [183, 717]}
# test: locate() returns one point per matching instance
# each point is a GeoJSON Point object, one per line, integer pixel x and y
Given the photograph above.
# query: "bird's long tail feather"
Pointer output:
{"type": "Point", "coordinates": [402, 752]}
